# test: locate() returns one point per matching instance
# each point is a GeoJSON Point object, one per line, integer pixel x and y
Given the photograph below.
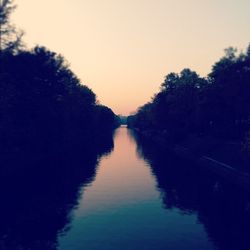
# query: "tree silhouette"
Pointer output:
{"type": "Point", "coordinates": [44, 108]}
{"type": "Point", "coordinates": [188, 105]}
{"type": "Point", "coordinates": [10, 37]}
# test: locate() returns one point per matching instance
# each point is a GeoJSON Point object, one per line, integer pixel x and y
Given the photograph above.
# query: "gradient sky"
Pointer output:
{"type": "Point", "coordinates": [122, 49]}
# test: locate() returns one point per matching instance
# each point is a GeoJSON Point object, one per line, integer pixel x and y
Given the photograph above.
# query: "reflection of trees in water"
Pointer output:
{"type": "Point", "coordinates": [36, 204]}
{"type": "Point", "coordinates": [223, 209]}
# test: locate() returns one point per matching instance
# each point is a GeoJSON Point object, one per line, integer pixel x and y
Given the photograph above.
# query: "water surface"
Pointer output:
{"type": "Point", "coordinates": [123, 208]}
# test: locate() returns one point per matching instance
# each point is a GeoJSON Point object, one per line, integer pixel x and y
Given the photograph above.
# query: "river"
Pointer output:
{"type": "Point", "coordinates": [130, 205]}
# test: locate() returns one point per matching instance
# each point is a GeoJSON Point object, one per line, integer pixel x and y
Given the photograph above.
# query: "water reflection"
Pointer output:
{"type": "Point", "coordinates": [122, 209]}
{"type": "Point", "coordinates": [36, 204]}
{"type": "Point", "coordinates": [137, 197]}
{"type": "Point", "coordinates": [222, 208]}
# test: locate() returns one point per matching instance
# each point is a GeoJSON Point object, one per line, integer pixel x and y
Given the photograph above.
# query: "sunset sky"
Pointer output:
{"type": "Point", "coordinates": [122, 49]}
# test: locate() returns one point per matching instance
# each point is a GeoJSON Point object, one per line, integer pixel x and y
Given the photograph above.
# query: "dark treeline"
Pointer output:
{"type": "Point", "coordinates": [43, 106]}
{"type": "Point", "coordinates": [201, 112]}
{"type": "Point", "coordinates": [52, 134]}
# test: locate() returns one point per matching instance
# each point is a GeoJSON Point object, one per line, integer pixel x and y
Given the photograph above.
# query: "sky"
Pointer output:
{"type": "Point", "coordinates": [123, 49]}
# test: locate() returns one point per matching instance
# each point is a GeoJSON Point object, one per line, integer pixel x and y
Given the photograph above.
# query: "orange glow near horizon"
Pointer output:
{"type": "Point", "coordinates": [123, 49]}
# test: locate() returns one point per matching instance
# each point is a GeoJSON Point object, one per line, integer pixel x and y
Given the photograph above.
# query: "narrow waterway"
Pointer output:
{"type": "Point", "coordinates": [122, 208]}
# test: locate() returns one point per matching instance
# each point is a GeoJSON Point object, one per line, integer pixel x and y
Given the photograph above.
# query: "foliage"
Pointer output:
{"type": "Point", "coordinates": [10, 37]}
{"type": "Point", "coordinates": [43, 104]}
{"type": "Point", "coordinates": [218, 105]}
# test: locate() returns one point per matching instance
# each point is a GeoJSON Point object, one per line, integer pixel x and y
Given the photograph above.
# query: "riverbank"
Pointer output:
{"type": "Point", "coordinates": [204, 154]}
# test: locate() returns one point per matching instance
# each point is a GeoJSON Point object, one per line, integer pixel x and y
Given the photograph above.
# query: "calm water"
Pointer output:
{"type": "Point", "coordinates": [125, 207]}
{"type": "Point", "coordinates": [133, 197]}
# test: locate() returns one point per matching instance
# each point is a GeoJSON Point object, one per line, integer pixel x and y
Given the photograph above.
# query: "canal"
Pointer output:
{"type": "Point", "coordinates": [133, 204]}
